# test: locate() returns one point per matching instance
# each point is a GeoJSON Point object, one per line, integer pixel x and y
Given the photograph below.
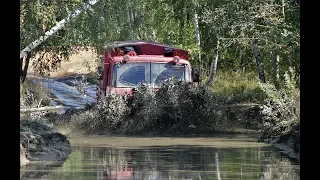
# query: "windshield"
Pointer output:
{"type": "Point", "coordinates": [132, 74]}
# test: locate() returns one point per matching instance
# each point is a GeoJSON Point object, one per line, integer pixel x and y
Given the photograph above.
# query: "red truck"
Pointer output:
{"type": "Point", "coordinates": [125, 65]}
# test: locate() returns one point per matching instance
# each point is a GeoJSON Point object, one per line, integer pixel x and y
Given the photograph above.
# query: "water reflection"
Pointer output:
{"type": "Point", "coordinates": [169, 162]}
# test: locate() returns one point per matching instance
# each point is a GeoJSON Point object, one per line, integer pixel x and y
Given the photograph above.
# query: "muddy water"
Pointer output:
{"type": "Point", "coordinates": [224, 157]}
{"type": "Point", "coordinates": [71, 92]}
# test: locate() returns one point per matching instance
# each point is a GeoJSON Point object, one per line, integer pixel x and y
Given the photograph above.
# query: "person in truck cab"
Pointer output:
{"type": "Point", "coordinates": [130, 51]}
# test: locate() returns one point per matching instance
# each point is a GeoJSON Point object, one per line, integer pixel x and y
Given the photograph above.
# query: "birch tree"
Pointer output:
{"type": "Point", "coordinates": [239, 22]}
{"type": "Point", "coordinates": [36, 17]}
{"type": "Point", "coordinates": [213, 68]}
{"type": "Point", "coordinates": [54, 29]}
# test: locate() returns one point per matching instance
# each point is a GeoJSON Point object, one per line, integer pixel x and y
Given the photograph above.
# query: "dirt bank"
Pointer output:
{"type": "Point", "coordinates": [290, 147]}
{"type": "Point", "coordinates": [23, 156]}
{"type": "Point", "coordinates": [40, 141]}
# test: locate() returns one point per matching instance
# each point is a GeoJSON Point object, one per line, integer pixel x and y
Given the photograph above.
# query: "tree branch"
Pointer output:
{"type": "Point", "coordinates": [53, 30]}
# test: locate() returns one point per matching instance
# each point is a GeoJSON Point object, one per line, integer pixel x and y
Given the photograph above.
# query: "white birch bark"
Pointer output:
{"type": "Point", "coordinates": [153, 35]}
{"type": "Point", "coordinates": [197, 34]}
{"type": "Point", "coordinates": [53, 30]}
{"type": "Point", "coordinates": [213, 68]}
{"type": "Point", "coordinates": [132, 18]}
{"type": "Point", "coordinates": [283, 10]}
{"type": "Point", "coordinates": [129, 19]}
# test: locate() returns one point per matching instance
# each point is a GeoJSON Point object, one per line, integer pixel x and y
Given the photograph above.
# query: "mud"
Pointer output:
{"type": "Point", "coordinates": [286, 147]}
{"type": "Point", "coordinates": [23, 156]}
{"type": "Point", "coordinates": [40, 141]}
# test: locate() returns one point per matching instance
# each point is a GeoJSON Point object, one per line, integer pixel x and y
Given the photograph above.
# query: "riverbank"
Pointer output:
{"type": "Point", "coordinates": [286, 148]}
{"type": "Point", "coordinates": [41, 142]}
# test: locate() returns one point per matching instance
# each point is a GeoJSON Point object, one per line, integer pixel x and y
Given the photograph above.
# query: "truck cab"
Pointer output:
{"type": "Point", "coordinates": [126, 65]}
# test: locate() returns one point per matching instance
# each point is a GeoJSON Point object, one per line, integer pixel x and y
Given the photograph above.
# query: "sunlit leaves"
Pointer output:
{"type": "Point", "coordinates": [238, 22]}
{"type": "Point", "coordinates": [171, 22]}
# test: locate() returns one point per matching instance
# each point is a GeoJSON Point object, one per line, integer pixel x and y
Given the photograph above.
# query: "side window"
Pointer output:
{"type": "Point", "coordinates": [163, 71]}
{"type": "Point", "coordinates": [169, 73]}
{"type": "Point", "coordinates": [114, 76]}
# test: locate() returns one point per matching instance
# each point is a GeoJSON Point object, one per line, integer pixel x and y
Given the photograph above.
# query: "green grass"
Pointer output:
{"type": "Point", "coordinates": [238, 87]}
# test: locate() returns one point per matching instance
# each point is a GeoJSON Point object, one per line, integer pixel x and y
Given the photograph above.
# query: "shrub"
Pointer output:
{"type": "Point", "coordinates": [281, 117]}
{"type": "Point", "coordinates": [33, 95]}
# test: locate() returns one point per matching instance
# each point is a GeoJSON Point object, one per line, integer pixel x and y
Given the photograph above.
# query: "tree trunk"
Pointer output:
{"type": "Point", "coordinates": [129, 20]}
{"type": "Point", "coordinates": [283, 14]}
{"type": "Point", "coordinates": [298, 81]}
{"type": "Point", "coordinates": [21, 66]}
{"type": "Point", "coordinates": [153, 35]}
{"type": "Point", "coordinates": [145, 34]}
{"type": "Point", "coordinates": [25, 69]}
{"type": "Point", "coordinates": [276, 69]}
{"type": "Point", "coordinates": [132, 18]}
{"type": "Point", "coordinates": [241, 64]}
{"type": "Point", "coordinates": [213, 68]}
{"type": "Point", "coordinates": [197, 35]}
{"type": "Point", "coordinates": [53, 30]}
{"type": "Point", "coordinates": [258, 61]}
{"type": "Point", "coordinates": [144, 27]}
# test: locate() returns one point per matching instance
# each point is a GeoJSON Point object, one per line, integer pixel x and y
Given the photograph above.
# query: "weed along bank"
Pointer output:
{"type": "Point", "coordinates": [125, 65]}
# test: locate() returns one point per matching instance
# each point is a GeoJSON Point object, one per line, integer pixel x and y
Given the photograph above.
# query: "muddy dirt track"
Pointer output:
{"type": "Point", "coordinates": [71, 92]}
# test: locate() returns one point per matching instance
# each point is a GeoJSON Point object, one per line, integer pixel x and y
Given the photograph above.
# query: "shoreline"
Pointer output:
{"type": "Point", "coordinates": [41, 142]}
{"type": "Point", "coordinates": [286, 148]}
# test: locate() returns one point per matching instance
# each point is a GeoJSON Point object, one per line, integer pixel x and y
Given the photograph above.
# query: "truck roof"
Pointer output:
{"type": "Point", "coordinates": [134, 43]}
{"type": "Point", "coordinates": [142, 47]}
{"type": "Point", "coordinates": [148, 58]}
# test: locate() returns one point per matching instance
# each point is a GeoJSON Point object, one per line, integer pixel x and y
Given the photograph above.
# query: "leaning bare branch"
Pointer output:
{"type": "Point", "coordinates": [46, 108]}
{"type": "Point", "coordinates": [53, 30]}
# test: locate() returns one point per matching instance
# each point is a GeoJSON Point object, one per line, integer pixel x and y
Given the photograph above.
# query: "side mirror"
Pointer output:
{"type": "Point", "coordinates": [100, 73]}
{"type": "Point", "coordinates": [195, 73]}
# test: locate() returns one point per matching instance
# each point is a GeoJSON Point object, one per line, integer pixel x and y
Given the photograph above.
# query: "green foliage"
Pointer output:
{"type": "Point", "coordinates": [281, 115]}
{"type": "Point", "coordinates": [33, 95]}
{"type": "Point", "coordinates": [37, 17]}
{"type": "Point", "coordinates": [237, 87]}
{"type": "Point", "coordinates": [236, 23]}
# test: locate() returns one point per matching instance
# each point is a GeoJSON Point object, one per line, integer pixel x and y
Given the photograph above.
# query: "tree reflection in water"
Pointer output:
{"type": "Point", "coordinates": [178, 162]}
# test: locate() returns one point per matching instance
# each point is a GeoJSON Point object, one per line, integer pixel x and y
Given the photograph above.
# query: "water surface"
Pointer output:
{"type": "Point", "coordinates": [224, 157]}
